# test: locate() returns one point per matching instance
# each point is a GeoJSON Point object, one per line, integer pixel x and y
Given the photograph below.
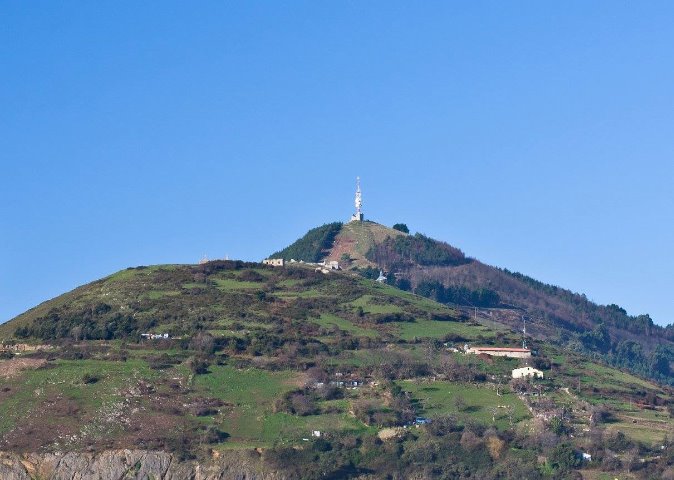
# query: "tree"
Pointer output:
{"type": "Point", "coordinates": [510, 412]}
{"type": "Point", "coordinates": [401, 227]}
{"type": "Point", "coordinates": [203, 342]}
{"type": "Point", "coordinates": [557, 426]}
{"type": "Point", "coordinates": [404, 284]}
{"type": "Point", "coordinates": [303, 404]}
{"type": "Point", "coordinates": [564, 457]}
{"type": "Point", "coordinates": [495, 446]}
{"type": "Point", "coordinates": [197, 365]}
{"type": "Point", "coordinates": [600, 414]}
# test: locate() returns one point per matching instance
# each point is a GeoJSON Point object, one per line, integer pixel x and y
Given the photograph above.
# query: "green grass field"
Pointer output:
{"type": "Point", "coordinates": [226, 284]}
{"type": "Point", "coordinates": [65, 381]}
{"type": "Point", "coordinates": [369, 306]}
{"type": "Point", "coordinates": [438, 398]}
{"type": "Point", "coordinates": [437, 329]}
{"type": "Point", "coordinates": [157, 294]}
{"type": "Point", "coordinates": [609, 376]}
{"type": "Point", "coordinates": [251, 420]}
{"type": "Point", "coordinates": [327, 320]}
{"type": "Point", "coordinates": [309, 293]}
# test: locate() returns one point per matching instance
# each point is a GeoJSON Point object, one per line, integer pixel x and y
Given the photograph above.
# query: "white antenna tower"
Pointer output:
{"type": "Point", "coordinates": [358, 216]}
{"type": "Point", "coordinates": [524, 331]}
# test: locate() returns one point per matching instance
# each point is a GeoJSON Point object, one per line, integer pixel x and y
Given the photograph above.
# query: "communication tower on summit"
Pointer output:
{"type": "Point", "coordinates": [358, 216]}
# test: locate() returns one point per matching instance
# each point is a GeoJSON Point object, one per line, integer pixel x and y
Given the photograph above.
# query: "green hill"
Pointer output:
{"type": "Point", "coordinates": [439, 271]}
{"type": "Point", "coordinates": [261, 357]}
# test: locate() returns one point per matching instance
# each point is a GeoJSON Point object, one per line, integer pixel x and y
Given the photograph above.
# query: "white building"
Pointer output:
{"type": "Point", "coordinates": [274, 262]}
{"type": "Point", "coordinates": [527, 372]}
{"type": "Point", "coordinates": [501, 352]}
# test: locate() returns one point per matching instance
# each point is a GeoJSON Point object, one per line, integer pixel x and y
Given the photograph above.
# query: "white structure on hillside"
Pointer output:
{"type": "Point", "coordinates": [274, 262]}
{"type": "Point", "coordinates": [358, 216]}
{"type": "Point", "coordinates": [527, 372]}
{"type": "Point", "coordinates": [381, 278]}
{"type": "Point", "coordinates": [500, 352]}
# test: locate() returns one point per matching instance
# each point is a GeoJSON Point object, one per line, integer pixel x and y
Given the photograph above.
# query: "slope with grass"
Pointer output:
{"type": "Point", "coordinates": [260, 357]}
{"type": "Point", "coordinates": [442, 272]}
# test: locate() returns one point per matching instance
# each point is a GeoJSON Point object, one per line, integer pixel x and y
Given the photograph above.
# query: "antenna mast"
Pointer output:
{"type": "Point", "coordinates": [358, 201]}
{"type": "Point", "coordinates": [524, 331]}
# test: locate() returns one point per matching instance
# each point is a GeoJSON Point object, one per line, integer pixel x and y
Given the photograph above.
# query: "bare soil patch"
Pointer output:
{"type": "Point", "coordinates": [12, 367]}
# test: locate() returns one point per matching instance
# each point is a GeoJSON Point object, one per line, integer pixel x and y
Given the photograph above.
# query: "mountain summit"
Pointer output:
{"type": "Point", "coordinates": [440, 271]}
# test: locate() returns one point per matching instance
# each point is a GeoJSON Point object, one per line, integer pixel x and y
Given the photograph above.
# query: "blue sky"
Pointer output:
{"type": "Point", "coordinates": [537, 136]}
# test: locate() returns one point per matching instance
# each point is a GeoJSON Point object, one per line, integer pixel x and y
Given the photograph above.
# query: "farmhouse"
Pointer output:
{"type": "Point", "coordinates": [527, 372]}
{"type": "Point", "coordinates": [501, 352]}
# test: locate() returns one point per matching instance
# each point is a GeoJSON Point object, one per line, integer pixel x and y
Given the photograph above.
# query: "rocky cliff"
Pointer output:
{"type": "Point", "coordinates": [132, 464]}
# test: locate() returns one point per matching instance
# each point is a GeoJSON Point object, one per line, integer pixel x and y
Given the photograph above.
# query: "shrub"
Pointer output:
{"type": "Point", "coordinates": [89, 378]}
{"type": "Point", "coordinates": [198, 365]}
{"type": "Point", "coordinates": [212, 434]}
{"type": "Point", "coordinates": [203, 342]}
{"type": "Point", "coordinates": [564, 457]}
{"type": "Point", "coordinates": [321, 445]}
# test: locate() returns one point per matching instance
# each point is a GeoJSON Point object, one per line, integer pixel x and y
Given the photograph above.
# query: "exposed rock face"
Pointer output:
{"type": "Point", "coordinates": [132, 464]}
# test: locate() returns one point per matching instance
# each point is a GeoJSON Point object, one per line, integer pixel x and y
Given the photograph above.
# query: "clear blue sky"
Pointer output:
{"type": "Point", "coordinates": [537, 136]}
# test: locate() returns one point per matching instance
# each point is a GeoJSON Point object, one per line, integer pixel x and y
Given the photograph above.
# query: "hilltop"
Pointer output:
{"type": "Point", "coordinates": [437, 270]}
{"type": "Point", "coordinates": [306, 374]}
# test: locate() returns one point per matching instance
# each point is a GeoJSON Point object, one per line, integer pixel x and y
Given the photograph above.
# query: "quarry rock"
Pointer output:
{"type": "Point", "coordinates": [130, 464]}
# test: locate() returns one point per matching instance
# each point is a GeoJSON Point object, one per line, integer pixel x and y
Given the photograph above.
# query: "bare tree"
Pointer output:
{"type": "Point", "coordinates": [510, 411]}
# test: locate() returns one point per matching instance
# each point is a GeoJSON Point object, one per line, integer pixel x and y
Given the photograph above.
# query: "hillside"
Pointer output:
{"type": "Point", "coordinates": [259, 358]}
{"type": "Point", "coordinates": [436, 270]}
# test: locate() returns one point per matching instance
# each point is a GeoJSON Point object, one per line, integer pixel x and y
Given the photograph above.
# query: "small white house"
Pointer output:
{"type": "Point", "coordinates": [316, 433]}
{"type": "Point", "coordinates": [527, 372]}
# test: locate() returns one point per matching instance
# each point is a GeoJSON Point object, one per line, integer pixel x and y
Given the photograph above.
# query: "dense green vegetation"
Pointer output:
{"type": "Point", "coordinates": [313, 246]}
{"type": "Point", "coordinates": [402, 251]}
{"type": "Point", "coordinates": [612, 315]}
{"type": "Point", "coordinates": [458, 295]}
{"type": "Point", "coordinates": [401, 227]}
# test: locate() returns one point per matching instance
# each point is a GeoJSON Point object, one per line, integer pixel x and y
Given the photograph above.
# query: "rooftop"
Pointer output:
{"type": "Point", "coordinates": [503, 349]}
